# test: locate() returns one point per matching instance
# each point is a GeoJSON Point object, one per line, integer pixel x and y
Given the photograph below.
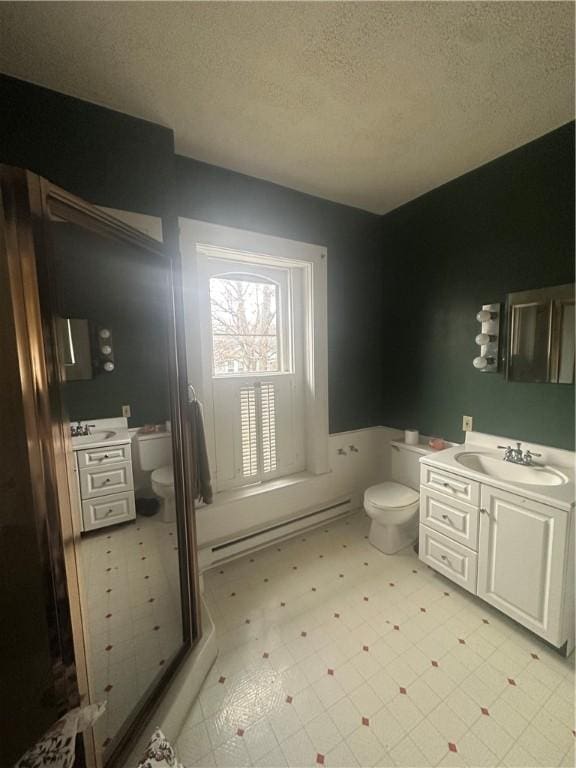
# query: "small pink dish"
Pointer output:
{"type": "Point", "coordinates": [437, 444]}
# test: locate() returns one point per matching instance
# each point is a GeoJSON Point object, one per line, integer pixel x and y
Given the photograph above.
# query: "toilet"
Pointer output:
{"type": "Point", "coordinates": [153, 453]}
{"type": "Point", "coordinates": [393, 505]}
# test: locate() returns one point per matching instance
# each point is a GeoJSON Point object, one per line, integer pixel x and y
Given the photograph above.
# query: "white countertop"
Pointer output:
{"type": "Point", "coordinates": [90, 441]}
{"type": "Point", "coordinates": [118, 429]}
{"type": "Point", "coordinates": [559, 496]}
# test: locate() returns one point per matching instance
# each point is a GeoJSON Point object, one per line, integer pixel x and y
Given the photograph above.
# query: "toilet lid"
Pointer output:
{"type": "Point", "coordinates": [163, 476]}
{"type": "Point", "coordinates": [391, 495]}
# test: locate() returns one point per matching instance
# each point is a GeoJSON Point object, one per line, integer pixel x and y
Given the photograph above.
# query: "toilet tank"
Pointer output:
{"type": "Point", "coordinates": [405, 464]}
{"type": "Point", "coordinates": [153, 451]}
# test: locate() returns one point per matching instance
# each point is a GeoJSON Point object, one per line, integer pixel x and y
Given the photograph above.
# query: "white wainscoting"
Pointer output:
{"type": "Point", "coordinates": [253, 511]}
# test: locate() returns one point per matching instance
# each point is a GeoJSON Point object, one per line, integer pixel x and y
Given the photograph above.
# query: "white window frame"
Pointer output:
{"type": "Point", "coordinates": [270, 250]}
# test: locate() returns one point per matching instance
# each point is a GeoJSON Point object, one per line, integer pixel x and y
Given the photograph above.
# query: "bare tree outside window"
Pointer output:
{"type": "Point", "coordinates": [244, 325]}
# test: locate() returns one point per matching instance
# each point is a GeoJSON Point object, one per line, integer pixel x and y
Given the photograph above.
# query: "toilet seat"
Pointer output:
{"type": "Point", "coordinates": [163, 476]}
{"type": "Point", "coordinates": [391, 495]}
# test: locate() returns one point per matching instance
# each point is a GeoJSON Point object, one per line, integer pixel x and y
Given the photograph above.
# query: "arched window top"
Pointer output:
{"type": "Point", "coordinates": [248, 277]}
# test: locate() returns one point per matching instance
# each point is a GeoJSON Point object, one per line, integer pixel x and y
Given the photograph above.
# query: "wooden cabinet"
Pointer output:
{"type": "Point", "coordinates": [521, 560]}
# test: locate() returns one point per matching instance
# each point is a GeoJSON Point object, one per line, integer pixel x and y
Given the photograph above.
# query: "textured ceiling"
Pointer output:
{"type": "Point", "coordinates": [369, 104]}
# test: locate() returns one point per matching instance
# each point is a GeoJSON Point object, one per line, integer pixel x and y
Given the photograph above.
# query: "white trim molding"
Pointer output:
{"type": "Point", "coordinates": [312, 260]}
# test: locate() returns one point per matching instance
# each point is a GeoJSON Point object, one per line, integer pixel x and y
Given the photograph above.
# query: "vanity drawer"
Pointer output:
{"type": "Point", "coordinates": [452, 560]}
{"type": "Point", "coordinates": [112, 479]}
{"type": "Point", "coordinates": [107, 510]}
{"type": "Point", "coordinates": [453, 518]}
{"type": "Point", "coordinates": [455, 486]}
{"type": "Point", "coordinates": [98, 457]}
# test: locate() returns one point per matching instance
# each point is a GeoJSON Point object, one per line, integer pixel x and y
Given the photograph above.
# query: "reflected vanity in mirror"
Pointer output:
{"type": "Point", "coordinates": [122, 476]}
{"type": "Point", "coordinates": [541, 335]}
{"type": "Point", "coordinates": [101, 331]}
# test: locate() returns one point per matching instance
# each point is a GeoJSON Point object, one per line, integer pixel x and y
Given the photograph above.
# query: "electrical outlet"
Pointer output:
{"type": "Point", "coordinates": [467, 423]}
{"type": "Point", "coordinates": [126, 411]}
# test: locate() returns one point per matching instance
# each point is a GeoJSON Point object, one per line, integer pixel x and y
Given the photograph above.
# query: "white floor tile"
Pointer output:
{"type": "Point", "coordinates": [299, 751]}
{"type": "Point", "coordinates": [346, 716]}
{"type": "Point", "coordinates": [366, 747]}
{"type": "Point", "coordinates": [479, 690]}
{"type": "Point", "coordinates": [323, 733]}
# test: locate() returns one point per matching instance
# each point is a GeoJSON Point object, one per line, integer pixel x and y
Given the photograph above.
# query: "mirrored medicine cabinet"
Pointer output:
{"type": "Point", "coordinates": [541, 335]}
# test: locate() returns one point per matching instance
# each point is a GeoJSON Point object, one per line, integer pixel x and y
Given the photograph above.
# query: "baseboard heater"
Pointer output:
{"type": "Point", "coordinates": [263, 536]}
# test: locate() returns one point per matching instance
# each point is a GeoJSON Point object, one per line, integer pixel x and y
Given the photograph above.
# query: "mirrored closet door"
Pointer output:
{"type": "Point", "coordinates": [102, 338]}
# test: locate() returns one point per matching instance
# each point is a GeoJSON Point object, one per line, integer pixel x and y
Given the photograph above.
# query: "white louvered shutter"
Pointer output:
{"type": "Point", "coordinates": [249, 432]}
{"type": "Point", "coordinates": [268, 428]}
{"type": "Point", "coordinates": [258, 446]}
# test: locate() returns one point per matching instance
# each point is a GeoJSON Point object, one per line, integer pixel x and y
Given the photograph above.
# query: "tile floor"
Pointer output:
{"type": "Point", "coordinates": [131, 602]}
{"type": "Point", "coordinates": [334, 654]}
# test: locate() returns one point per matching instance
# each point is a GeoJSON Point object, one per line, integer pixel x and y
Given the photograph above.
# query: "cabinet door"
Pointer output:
{"type": "Point", "coordinates": [521, 554]}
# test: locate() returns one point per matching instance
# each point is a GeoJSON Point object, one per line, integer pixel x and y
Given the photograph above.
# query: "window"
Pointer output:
{"type": "Point", "coordinates": [253, 335]}
{"type": "Point", "coordinates": [243, 311]}
{"type": "Point", "coordinates": [255, 312]}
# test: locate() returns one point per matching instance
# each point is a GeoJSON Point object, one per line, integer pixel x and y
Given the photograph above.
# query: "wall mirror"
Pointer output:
{"type": "Point", "coordinates": [541, 335]}
{"type": "Point", "coordinates": [119, 520]}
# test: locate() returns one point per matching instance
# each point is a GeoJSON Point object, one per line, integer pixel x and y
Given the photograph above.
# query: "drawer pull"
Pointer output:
{"type": "Point", "coordinates": [109, 511]}
{"type": "Point", "coordinates": [107, 480]}
{"type": "Point", "coordinates": [447, 485]}
{"type": "Point", "coordinates": [447, 561]}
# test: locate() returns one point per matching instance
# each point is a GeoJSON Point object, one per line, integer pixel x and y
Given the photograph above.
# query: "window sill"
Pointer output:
{"type": "Point", "coordinates": [247, 491]}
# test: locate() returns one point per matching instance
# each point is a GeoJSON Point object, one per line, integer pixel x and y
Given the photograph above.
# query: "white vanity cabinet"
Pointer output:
{"type": "Point", "coordinates": [106, 485]}
{"type": "Point", "coordinates": [522, 556]}
{"type": "Point", "coordinates": [513, 551]}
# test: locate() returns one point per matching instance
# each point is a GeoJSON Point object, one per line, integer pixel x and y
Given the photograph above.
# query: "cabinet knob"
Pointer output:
{"type": "Point", "coordinates": [483, 511]}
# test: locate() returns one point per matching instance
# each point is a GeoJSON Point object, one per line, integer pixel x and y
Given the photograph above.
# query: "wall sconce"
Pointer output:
{"type": "Point", "coordinates": [488, 338]}
{"type": "Point", "coordinates": [105, 350]}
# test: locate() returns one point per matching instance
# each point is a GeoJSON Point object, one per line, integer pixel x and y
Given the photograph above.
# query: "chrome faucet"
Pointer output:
{"type": "Point", "coordinates": [80, 430]}
{"type": "Point", "coordinates": [528, 458]}
{"type": "Point", "coordinates": [518, 456]}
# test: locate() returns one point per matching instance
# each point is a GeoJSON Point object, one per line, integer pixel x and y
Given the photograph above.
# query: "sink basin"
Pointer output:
{"type": "Point", "coordinates": [97, 436]}
{"type": "Point", "coordinates": [513, 473]}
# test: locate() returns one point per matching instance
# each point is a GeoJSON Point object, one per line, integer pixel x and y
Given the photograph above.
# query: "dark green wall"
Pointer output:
{"type": "Point", "coordinates": [124, 289]}
{"type": "Point", "coordinates": [116, 161]}
{"type": "Point", "coordinates": [355, 310]}
{"type": "Point", "coordinates": [403, 289]}
{"type": "Point", "coordinates": [507, 226]}
{"type": "Point", "coordinates": [106, 157]}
